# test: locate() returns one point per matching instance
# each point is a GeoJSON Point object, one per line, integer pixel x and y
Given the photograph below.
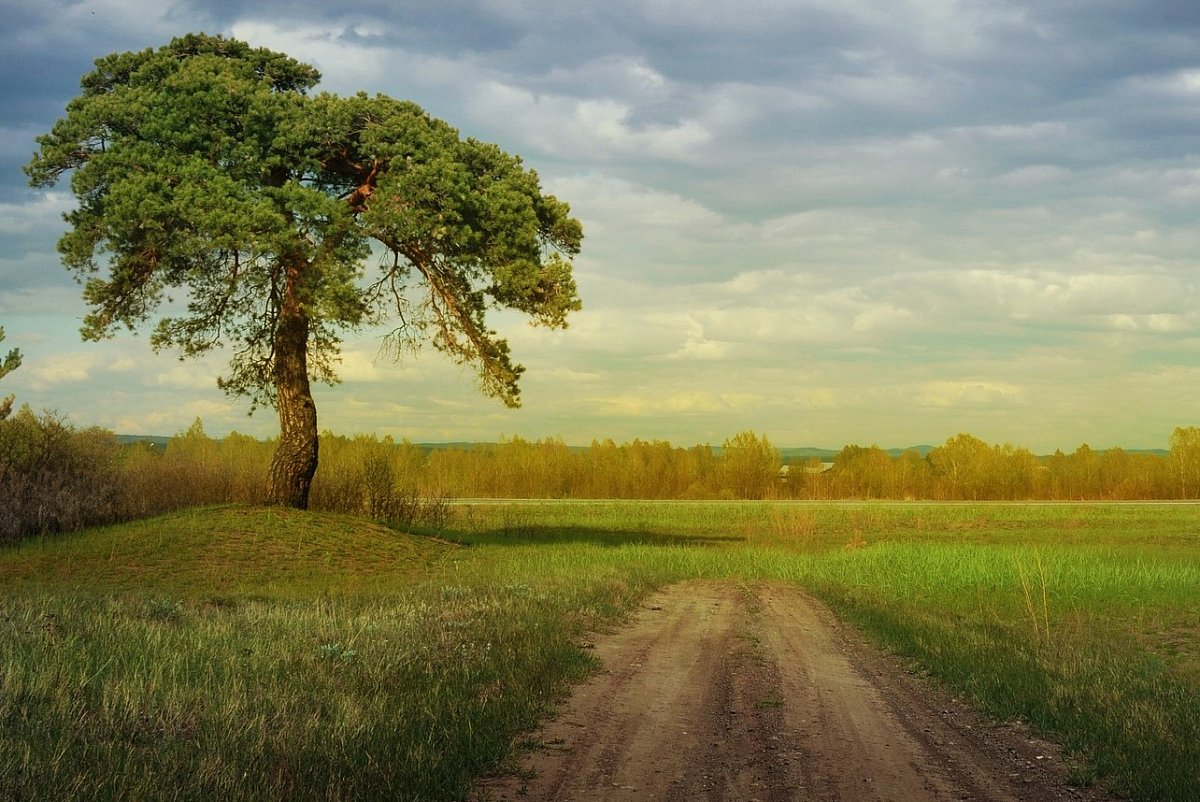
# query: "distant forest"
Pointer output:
{"type": "Point", "coordinates": [55, 477]}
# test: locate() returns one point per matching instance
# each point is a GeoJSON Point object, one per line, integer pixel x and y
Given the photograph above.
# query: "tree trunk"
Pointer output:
{"type": "Point", "coordinates": [295, 460]}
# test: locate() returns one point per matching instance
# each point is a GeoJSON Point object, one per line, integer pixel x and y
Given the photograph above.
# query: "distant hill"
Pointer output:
{"type": "Point", "coordinates": [829, 454]}
{"type": "Point", "coordinates": [791, 454]}
{"type": "Point", "coordinates": [154, 440]}
{"type": "Point", "coordinates": [459, 445]}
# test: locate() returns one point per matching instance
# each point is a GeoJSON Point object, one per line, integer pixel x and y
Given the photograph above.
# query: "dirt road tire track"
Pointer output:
{"type": "Point", "coordinates": [716, 691]}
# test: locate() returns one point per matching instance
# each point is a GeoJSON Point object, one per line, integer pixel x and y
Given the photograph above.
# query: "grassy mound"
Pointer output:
{"type": "Point", "coordinates": [263, 654]}
{"type": "Point", "coordinates": [223, 550]}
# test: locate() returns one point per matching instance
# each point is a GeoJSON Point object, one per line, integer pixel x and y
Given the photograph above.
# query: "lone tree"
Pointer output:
{"type": "Point", "coordinates": [205, 165]}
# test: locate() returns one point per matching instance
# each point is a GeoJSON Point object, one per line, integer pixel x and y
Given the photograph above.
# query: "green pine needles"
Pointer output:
{"type": "Point", "coordinates": [207, 166]}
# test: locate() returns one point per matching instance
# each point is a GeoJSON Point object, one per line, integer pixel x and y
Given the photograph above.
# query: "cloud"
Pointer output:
{"type": "Point", "coordinates": [596, 129]}
{"type": "Point", "coordinates": [176, 418]}
{"type": "Point", "coordinates": [697, 346]}
{"type": "Point", "coordinates": [43, 211]}
{"type": "Point", "coordinates": [684, 403]}
{"type": "Point", "coordinates": [51, 372]}
{"type": "Point", "coordinates": [1071, 299]}
{"type": "Point", "coordinates": [349, 61]}
{"type": "Point", "coordinates": [359, 366]}
{"type": "Point", "coordinates": [58, 370]}
{"type": "Point", "coordinates": [832, 221]}
{"type": "Point", "coordinates": [970, 393]}
{"type": "Point", "coordinates": [189, 375]}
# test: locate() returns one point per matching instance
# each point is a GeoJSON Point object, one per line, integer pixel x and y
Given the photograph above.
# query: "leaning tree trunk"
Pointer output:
{"type": "Point", "coordinates": [295, 460]}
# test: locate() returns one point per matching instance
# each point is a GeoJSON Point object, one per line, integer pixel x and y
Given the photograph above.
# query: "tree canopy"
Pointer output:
{"type": "Point", "coordinates": [206, 165]}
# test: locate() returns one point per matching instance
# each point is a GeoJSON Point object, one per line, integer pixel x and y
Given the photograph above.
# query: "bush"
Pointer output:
{"type": "Point", "coordinates": [376, 478]}
{"type": "Point", "coordinates": [54, 478]}
{"type": "Point", "coordinates": [194, 470]}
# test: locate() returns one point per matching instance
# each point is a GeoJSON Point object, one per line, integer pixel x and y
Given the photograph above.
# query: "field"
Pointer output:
{"type": "Point", "coordinates": [241, 653]}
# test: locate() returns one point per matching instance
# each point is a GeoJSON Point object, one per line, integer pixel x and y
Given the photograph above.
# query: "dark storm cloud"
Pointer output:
{"type": "Point", "coordinates": [45, 49]}
{"type": "Point", "coordinates": [842, 72]}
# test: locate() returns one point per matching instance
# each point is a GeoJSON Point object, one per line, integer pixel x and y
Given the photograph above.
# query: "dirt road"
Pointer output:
{"type": "Point", "coordinates": [722, 692]}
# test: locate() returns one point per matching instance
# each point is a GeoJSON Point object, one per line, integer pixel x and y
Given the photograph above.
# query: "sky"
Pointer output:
{"type": "Point", "coordinates": [826, 221]}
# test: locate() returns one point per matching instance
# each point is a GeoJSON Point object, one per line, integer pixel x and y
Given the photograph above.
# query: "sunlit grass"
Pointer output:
{"type": "Point", "coordinates": [239, 653]}
{"type": "Point", "coordinates": [1081, 619]}
{"type": "Point", "coordinates": [311, 683]}
{"type": "Point", "coordinates": [1084, 642]}
{"type": "Point", "coordinates": [220, 550]}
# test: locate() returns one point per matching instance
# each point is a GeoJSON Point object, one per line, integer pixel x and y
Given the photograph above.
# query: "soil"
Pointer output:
{"type": "Point", "coordinates": [718, 691]}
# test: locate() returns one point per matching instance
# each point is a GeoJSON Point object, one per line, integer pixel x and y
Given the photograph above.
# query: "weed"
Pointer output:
{"type": "Point", "coordinates": [1037, 602]}
{"type": "Point", "coordinates": [337, 652]}
{"type": "Point", "coordinates": [164, 610]}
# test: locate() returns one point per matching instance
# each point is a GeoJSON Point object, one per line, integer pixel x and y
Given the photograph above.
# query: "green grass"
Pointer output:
{"type": "Point", "coordinates": [1083, 642]}
{"type": "Point", "coordinates": [251, 654]}
{"type": "Point", "coordinates": [223, 550]}
{"type": "Point", "coordinates": [1080, 619]}
{"type": "Point", "coordinates": [260, 654]}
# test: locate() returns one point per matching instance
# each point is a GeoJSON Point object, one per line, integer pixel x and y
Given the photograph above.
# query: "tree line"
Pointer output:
{"type": "Point", "coordinates": [966, 468]}
{"type": "Point", "coordinates": [54, 477]}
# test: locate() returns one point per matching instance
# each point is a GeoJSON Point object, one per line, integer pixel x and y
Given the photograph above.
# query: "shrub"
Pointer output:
{"type": "Point", "coordinates": [55, 478]}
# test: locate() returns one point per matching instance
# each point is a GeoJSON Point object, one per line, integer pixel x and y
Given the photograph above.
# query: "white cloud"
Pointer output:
{"type": "Point", "coordinates": [346, 66]}
{"type": "Point", "coordinates": [1159, 324]}
{"type": "Point", "coordinates": [881, 317]}
{"type": "Point", "coordinates": [817, 398]}
{"type": "Point", "coordinates": [188, 375]}
{"type": "Point", "coordinates": [970, 393]}
{"type": "Point", "coordinates": [85, 22]}
{"type": "Point", "coordinates": [1184, 83]}
{"type": "Point", "coordinates": [682, 402]}
{"type": "Point", "coordinates": [359, 366]}
{"type": "Point", "coordinates": [1074, 298]}
{"type": "Point", "coordinates": [55, 370]}
{"type": "Point", "coordinates": [177, 418]}
{"type": "Point", "coordinates": [44, 211]}
{"type": "Point", "coordinates": [699, 347]}
{"type": "Point", "coordinates": [1035, 175]}
{"type": "Point", "coordinates": [613, 75]}
{"type": "Point", "coordinates": [618, 206]}
{"type": "Point", "coordinates": [163, 17]}
{"type": "Point", "coordinates": [60, 301]}
{"type": "Point", "coordinates": [596, 129]}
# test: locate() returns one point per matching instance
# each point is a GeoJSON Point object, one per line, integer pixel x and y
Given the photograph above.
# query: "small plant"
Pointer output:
{"type": "Point", "coordinates": [436, 511]}
{"type": "Point", "coordinates": [337, 652]}
{"type": "Point", "coordinates": [1037, 610]}
{"type": "Point", "coordinates": [515, 523]}
{"type": "Point", "coordinates": [164, 610]}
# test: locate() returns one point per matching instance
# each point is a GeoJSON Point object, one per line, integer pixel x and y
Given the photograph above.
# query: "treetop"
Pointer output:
{"type": "Point", "coordinates": [208, 165]}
